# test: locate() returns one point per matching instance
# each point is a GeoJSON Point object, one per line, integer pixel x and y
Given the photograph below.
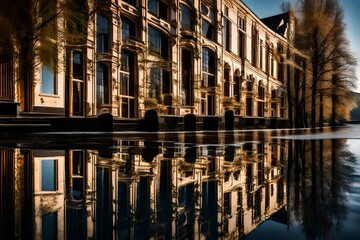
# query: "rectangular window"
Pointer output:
{"type": "Point", "coordinates": [227, 31]}
{"type": "Point", "coordinates": [207, 30]}
{"type": "Point", "coordinates": [78, 65]}
{"type": "Point", "coordinates": [254, 46]}
{"type": "Point", "coordinates": [158, 43]}
{"type": "Point", "coordinates": [48, 175]}
{"type": "Point", "coordinates": [186, 18]}
{"type": "Point", "coordinates": [102, 31]}
{"type": "Point", "coordinates": [249, 106]}
{"type": "Point", "coordinates": [128, 29]}
{"type": "Point", "coordinates": [48, 80]}
{"type": "Point", "coordinates": [158, 8]}
{"type": "Point", "coordinates": [160, 83]}
{"type": "Point", "coordinates": [49, 226]}
{"type": "Point", "coordinates": [102, 84]}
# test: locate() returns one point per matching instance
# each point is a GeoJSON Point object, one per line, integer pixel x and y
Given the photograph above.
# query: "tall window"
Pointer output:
{"type": "Point", "coordinates": [102, 34]}
{"type": "Point", "coordinates": [280, 66]}
{"type": "Point", "coordinates": [227, 80]}
{"type": "Point", "coordinates": [49, 175]}
{"type": "Point", "coordinates": [159, 8]}
{"type": "Point", "coordinates": [158, 43]}
{"type": "Point", "coordinates": [77, 82]}
{"type": "Point", "coordinates": [187, 21]}
{"type": "Point", "coordinates": [261, 100]}
{"type": "Point", "coordinates": [208, 20]}
{"type": "Point", "coordinates": [127, 84]}
{"type": "Point", "coordinates": [187, 77]}
{"type": "Point", "coordinates": [102, 84]}
{"type": "Point", "coordinates": [227, 30]}
{"type": "Point", "coordinates": [48, 80]}
{"type": "Point", "coordinates": [128, 28]}
{"type": "Point", "coordinates": [261, 54]}
{"type": "Point", "coordinates": [237, 79]}
{"type": "Point", "coordinates": [254, 46]}
{"type": "Point", "coordinates": [208, 68]}
{"type": "Point", "coordinates": [248, 106]}
{"type": "Point", "coordinates": [242, 36]}
{"type": "Point", "coordinates": [159, 82]}
{"type": "Point", "coordinates": [78, 65]}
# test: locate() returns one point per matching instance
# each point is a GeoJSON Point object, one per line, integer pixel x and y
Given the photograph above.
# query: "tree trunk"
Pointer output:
{"type": "Point", "coordinates": [315, 66]}
{"type": "Point", "coordinates": [333, 101]}
{"type": "Point", "coordinates": [26, 74]}
{"type": "Point", "coordinates": [321, 110]}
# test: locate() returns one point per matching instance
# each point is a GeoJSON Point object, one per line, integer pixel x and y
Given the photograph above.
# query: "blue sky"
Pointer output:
{"type": "Point", "coordinates": [265, 8]}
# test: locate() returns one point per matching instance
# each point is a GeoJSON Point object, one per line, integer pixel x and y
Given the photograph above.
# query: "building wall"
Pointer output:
{"type": "Point", "coordinates": [139, 56]}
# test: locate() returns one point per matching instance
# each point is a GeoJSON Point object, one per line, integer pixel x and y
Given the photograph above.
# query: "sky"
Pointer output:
{"type": "Point", "coordinates": [266, 8]}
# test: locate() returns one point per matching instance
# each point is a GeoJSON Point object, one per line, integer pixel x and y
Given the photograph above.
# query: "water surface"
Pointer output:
{"type": "Point", "coordinates": [265, 184]}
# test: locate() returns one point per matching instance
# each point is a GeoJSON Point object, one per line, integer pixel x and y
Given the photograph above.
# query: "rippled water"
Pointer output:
{"type": "Point", "coordinates": [268, 184]}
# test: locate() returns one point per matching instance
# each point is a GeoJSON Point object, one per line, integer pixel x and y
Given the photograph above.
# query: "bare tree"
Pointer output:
{"type": "Point", "coordinates": [330, 61]}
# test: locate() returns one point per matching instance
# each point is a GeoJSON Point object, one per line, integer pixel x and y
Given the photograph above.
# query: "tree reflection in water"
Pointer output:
{"type": "Point", "coordinates": [204, 185]}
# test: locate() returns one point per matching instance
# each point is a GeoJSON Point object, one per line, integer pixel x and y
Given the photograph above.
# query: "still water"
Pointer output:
{"type": "Point", "coordinates": [270, 184]}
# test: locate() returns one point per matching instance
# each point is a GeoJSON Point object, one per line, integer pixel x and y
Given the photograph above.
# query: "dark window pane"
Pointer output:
{"type": "Point", "coordinates": [48, 175]}
{"type": "Point", "coordinates": [102, 30]}
{"type": "Point", "coordinates": [78, 67]}
{"type": "Point", "coordinates": [49, 226]}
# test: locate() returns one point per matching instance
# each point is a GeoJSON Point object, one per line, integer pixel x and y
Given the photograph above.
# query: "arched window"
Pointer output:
{"type": "Point", "coordinates": [102, 84]}
{"type": "Point", "coordinates": [158, 43]}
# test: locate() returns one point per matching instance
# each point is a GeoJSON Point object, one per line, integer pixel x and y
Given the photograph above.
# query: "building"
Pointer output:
{"type": "Point", "coordinates": [177, 57]}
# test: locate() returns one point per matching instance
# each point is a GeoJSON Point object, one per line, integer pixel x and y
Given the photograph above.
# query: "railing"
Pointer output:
{"type": "Point", "coordinates": [6, 77]}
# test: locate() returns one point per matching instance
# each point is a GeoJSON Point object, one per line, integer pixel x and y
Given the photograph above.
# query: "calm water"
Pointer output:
{"type": "Point", "coordinates": [210, 185]}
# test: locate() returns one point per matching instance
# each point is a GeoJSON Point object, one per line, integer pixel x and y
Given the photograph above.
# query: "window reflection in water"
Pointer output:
{"type": "Point", "coordinates": [186, 186]}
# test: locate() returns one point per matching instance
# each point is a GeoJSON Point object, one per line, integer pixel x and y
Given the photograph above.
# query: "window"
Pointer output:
{"type": "Point", "coordinates": [208, 68]}
{"type": "Point", "coordinates": [131, 2]}
{"type": "Point", "coordinates": [254, 46]}
{"type": "Point", "coordinates": [227, 80]}
{"type": "Point", "coordinates": [248, 106]}
{"type": "Point", "coordinates": [159, 82]}
{"type": "Point", "coordinates": [261, 99]}
{"type": "Point", "coordinates": [241, 37]}
{"type": "Point", "coordinates": [237, 80]}
{"type": "Point", "coordinates": [158, 43]}
{"type": "Point", "coordinates": [49, 226]}
{"type": "Point", "coordinates": [158, 8]}
{"type": "Point", "coordinates": [48, 80]}
{"type": "Point", "coordinates": [128, 29]}
{"type": "Point", "coordinates": [208, 20]}
{"type": "Point", "coordinates": [127, 84]}
{"type": "Point", "coordinates": [226, 31]}
{"type": "Point", "coordinates": [48, 175]}
{"type": "Point", "coordinates": [261, 54]}
{"type": "Point", "coordinates": [102, 31]}
{"type": "Point", "coordinates": [280, 65]}
{"type": "Point", "coordinates": [102, 84]}
{"type": "Point", "coordinates": [187, 77]}
{"type": "Point", "coordinates": [186, 18]}
{"type": "Point", "coordinates": [78, 65]}
{"type": "Point", "coordinates": [207, 30]}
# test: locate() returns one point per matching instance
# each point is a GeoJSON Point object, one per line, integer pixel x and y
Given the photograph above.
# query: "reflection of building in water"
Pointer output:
{"type": "Point", "coordinates": [163, 190]}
